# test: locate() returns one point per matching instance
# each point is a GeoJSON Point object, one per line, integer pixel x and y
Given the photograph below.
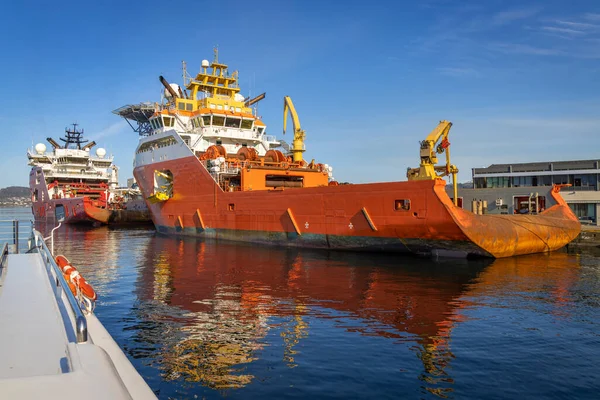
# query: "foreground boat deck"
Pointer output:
{"type": "Point", "coordinates": [49, 347]}
{"type": "Point", "coordinates": [31, 323]}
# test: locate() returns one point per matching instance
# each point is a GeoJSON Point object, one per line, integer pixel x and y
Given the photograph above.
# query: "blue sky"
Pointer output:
{"type": "Point", "coordinates": [519, 79]}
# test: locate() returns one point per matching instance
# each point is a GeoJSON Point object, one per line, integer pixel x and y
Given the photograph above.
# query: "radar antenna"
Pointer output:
{"type": "Point", "coordinates": [73, 138]}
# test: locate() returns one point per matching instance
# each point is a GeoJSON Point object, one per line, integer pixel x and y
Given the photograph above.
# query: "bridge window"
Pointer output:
{"type": "Point", "coordinates": [232, 122]}
{"type": "Point", "coordinates": [155, 144]}
{"type": "Point", "coordinates": [188, 107]}
{"type": "Point", "coordinates": [218, 121]}
{"type": "Point", "coordinates": [260, 130]}
{"type": "Point", "coordinates": [181, 106]}
{"type": "Point", "coordinates": [169, 121]}
{"type": "Point", "coordinates": [247, 124]}
{"type": "Point", "coordinates": [206, 120]}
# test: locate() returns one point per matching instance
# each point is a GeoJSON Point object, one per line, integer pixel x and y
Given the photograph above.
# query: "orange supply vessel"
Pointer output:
{"type": "Point", "coordinates": [82, 186]}
{"type": "Point", "coordinates": [207, 168]}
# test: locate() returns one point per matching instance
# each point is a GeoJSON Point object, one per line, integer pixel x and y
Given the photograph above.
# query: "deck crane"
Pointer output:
{"type": "Point", "coordinates": [299, 135]}
{"type": "Point", "coordinates": [248, 101]}
{"type": "Point", "coordinates": [429, 150]}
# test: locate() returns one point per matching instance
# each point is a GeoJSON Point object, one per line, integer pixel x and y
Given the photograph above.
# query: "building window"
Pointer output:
{"type": "Point", "coordinates": [585, 212]}
{"type": "Point", "coordinates": [560, 179]}
{"type": "Point", "coordinates": [544, 180]}
{"type": "Point", "coordinates": [518, 181]}
{"type": "Point", "coordinates": [479, 183]}
{"type": "Point", "coordinates": [584, 182]}
{"type": "Point", "coordinates": [497, 182]}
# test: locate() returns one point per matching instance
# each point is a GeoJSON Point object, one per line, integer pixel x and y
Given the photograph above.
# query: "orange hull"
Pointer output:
{"type": "Point", "coordinates": [97, 214]}
{"type": "Point", "coordinates": [414, 216]}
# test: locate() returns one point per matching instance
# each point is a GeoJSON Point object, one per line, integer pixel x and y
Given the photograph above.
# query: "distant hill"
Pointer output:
{"type": "Point", "coordinates": [14, 191]}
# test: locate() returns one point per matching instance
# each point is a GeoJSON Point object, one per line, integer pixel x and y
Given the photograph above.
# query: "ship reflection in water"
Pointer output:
{"type": "Point", "coordinates": [206, 318]}
{"type": "Point", "coordinates": [228, 294]}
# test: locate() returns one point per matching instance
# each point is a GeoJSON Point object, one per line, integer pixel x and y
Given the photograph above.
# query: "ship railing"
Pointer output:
{"type": "Point", "coordinates": [232, 133]}
{"type": "Point", "coordinates": [19, 236]}
{"type": "Point", "coordinates": [94, 175]}
{"type": "Point", "coordinates": [15, 233]}
{"type": "Point", "coordinates": [60, 287]}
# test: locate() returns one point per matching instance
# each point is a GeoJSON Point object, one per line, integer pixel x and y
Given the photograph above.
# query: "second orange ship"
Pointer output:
{"type": "Point", "coordinates": [208, 169]}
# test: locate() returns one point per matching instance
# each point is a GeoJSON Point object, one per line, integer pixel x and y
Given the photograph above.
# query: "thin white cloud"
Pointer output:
{"type": "Point", "coordinates": [459, 72]}
{"type": "Point", "coordinates": [570, 124]}
{"type": "Point", "coordinates": [506, 17]}
{"type": "Point", "coordinates": [578, 25]}
{"type": "Point", "coordinates": [112, 130]}
{"type": "Point", "coordinates": [592, 16]}
{"type": "Point", "coordinates": [516, 48]}
{"type": "Point", "coordinates": [567, 31]}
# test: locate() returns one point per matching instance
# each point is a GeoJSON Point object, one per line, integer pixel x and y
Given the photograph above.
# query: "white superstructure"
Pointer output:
{"type": "Point", "coordinates": [73, 161]}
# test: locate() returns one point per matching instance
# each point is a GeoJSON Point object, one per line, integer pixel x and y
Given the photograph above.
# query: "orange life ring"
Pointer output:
{"type": "Point", "coordinates": [75, 280]}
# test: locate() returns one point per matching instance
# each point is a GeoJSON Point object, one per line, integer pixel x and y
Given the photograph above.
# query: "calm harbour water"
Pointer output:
{"type": "Point", "coordinates": [205, 319]}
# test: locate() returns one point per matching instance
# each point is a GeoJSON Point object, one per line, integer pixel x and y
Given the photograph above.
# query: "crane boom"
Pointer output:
{"type": "Point", "coordinates": [249, 102]}
{"type": "Point", "coordinates": [299, 135]}
{"type": "Point", "coordinates": [429, 150]}
{"type": "Point", "coordinates": [89, 145]}
{"type": "Point", "coordinates": [171, 91]}
{"type": "Point", "coordinates": [53, 143]}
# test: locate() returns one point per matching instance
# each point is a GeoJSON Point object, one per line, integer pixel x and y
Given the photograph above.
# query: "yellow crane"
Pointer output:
{"type": "Point", "coordinates": [299, 135]}
{"type": "Point", "coordinates": [430, 148]}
